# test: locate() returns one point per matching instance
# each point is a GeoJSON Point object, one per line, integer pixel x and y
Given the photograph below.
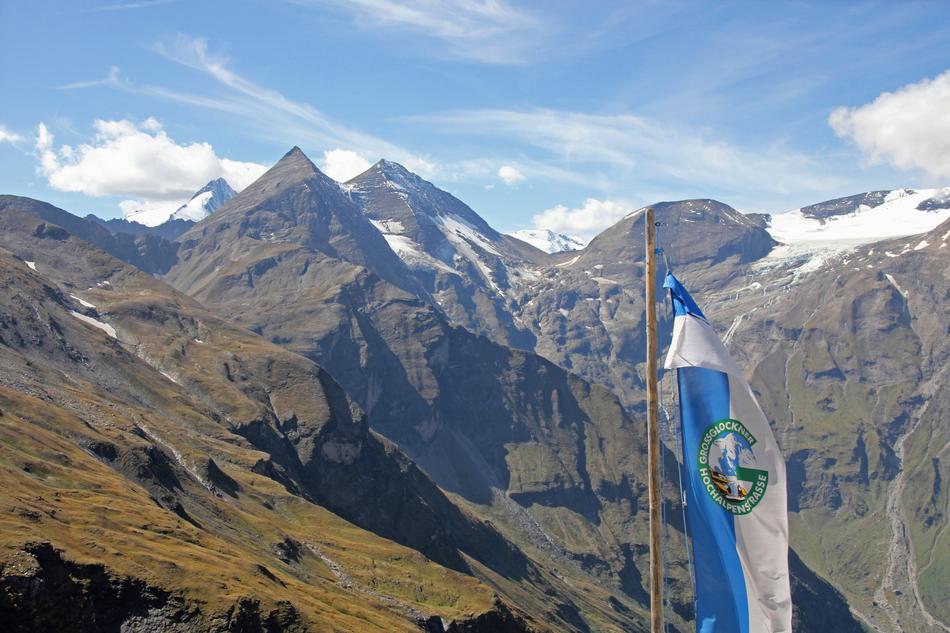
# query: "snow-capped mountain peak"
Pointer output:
{"type": "Point", "coordinates": [549, 241]}
{"type": "Point", "coordinates": [206, 201]}
{"type": "Point", "coordinates": [203, 203]}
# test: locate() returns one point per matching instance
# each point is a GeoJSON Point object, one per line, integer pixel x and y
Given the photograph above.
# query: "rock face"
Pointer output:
{"type": "Point", "coordinates": [41, 591]}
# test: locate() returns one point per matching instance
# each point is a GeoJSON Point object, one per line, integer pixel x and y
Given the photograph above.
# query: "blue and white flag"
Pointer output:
{"type": "Point", "coordinates": [736, 496]}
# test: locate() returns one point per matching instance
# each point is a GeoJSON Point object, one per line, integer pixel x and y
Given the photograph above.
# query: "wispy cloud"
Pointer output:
{"type": "Point", "coordinates": [489, 31]}
{"type": "Point", "coordinates": [632, 144]}
{"type": "Point", "coordinates": [9, 136]}
{"type": "Point", "coordinates": [272, 114]}
{"type": "Point", "coordinates": [112, 79]}
{"type": "Point", "coordinates": [127, 6]}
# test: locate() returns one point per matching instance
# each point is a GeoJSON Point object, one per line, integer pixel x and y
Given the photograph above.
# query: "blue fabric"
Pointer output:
{"type": "Point", "coordinates": [683, 304]}
{"type": "Point", "coordinates": [721, 599]}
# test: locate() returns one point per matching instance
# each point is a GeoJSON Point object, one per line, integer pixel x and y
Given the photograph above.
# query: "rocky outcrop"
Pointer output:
{"type": "Point", "coordinates": [41, 591]}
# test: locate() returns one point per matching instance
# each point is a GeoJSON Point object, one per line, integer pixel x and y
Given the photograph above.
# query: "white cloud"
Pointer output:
{"type": "Point", "coordinates": [909, 128]}
{"type": "Point", "coordinates": [489, 31]}
{"type": "Point", "coordinates": [137, 160]}
{"type": "Point", "coordinates": [8, 136]}
{"type": "Point", "coordinates": [583, 222]}
{"type": "Point", "coordinates": [627, 142]}
{"type": "Point", "coordinates": [343, 164]}
{"type": "Point", "coordinates": [510, 175]}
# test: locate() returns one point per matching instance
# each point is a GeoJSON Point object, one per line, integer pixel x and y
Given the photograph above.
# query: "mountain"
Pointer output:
{"type": "Point", "coordinates": [151, 253]}
{"type": "Point", "coordinates": [211, 467]}
{"type": "Point", "coordinates": [551, 460]}
{"type": "Point", "coordinates": [466, 266]}
{"type": "Point", "coordinates": [204, 202]}
{"type": "Point", "coordinates": [586, 310]}
{"type": "Point", "coordinates": [545, 449]}
{"type": "Point", "coordinates": [940, 200]}
{"type": "Point", "coordinates": [583, 318]}
{"type": "Point", "coordinates": [548, 241]}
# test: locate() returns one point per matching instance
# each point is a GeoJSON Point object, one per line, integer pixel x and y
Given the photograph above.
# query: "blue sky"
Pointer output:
{"type": "Point", "coordinates": [548, 113]}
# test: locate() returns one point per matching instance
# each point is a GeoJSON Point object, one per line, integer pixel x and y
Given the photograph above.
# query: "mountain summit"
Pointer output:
{"type": "Point", "coordinates": [206, 201]}
{"type": "Point", "coordinates": [549, 241]}
{"type": "Point", "coordinates": [292, 206]}
{"type": "Point", "coordinates": [464, 264]}
{"type": "Point", "coordinates": [202, 203]}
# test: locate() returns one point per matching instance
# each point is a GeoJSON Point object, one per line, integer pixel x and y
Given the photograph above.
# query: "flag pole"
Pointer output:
{"type": "Point", "coordinates": [653, 432]}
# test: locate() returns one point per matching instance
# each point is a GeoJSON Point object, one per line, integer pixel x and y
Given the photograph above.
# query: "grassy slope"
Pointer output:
{"type": "Point", "coordinates": [109, 460]}
{"type": "Point", "coordinates": [57, 492]}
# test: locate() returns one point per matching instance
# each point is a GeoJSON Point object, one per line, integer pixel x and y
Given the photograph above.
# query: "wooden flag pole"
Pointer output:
{"type": "Point", "coordinates": [653, 432]}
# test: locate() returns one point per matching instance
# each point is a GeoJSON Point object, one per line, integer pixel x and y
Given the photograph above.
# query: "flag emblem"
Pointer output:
{"type": "Point", "coordinates": [726, 466]}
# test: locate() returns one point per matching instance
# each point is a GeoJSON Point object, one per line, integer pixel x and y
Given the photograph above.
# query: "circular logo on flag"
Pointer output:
{"type": "Point", "coordinates": [727, 467]}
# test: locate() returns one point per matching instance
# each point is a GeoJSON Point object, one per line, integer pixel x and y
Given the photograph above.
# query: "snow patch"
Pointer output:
{"type": "Point", "coordinates": [462, 233]}
{"type": "Point", "coordinates": [105, 327]}
{"type": "Point", "coordinates": [84, 304]}
{"type": "Point", "coordinates": [465, 238]}
{"type": "Point", "coordinates": [411, 253]}
{"type": "Point", "coordinates": [568, 263]}
{"type": "Point", "coordinates": [32, 265]}
{"type": "Point", "coordinates": [389, 226]}
{"type": "Point", "coordinates": [922, 244]}
{"type": "Point", "coordinates": [896, 285]}
{"type": "Point", "coordinates": [195, 209]}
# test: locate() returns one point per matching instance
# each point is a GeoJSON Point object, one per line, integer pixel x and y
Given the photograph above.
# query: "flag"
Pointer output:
{"type": "Point", "coordinates": [735, 484]}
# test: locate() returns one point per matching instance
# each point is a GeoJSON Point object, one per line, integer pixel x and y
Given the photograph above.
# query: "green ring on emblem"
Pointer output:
{"type": "Point", "coordinates": [730, 493]}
